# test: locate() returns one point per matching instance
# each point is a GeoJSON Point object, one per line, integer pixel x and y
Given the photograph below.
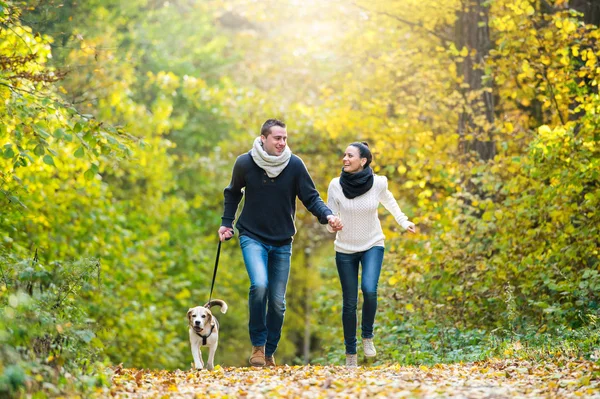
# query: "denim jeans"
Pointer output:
{"type": "Point", "coordinates": [269, 269]}
{"type": "Point", "coordinates": [347, 265]}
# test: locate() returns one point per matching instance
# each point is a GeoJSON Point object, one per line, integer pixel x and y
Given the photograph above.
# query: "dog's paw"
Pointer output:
{"type": "Point", "coordinates": [210, 367]}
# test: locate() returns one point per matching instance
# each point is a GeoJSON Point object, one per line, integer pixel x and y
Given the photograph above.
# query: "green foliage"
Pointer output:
{"type": "Point", "coordinates": [37, 126]}
{"type": "Point", "coordinates": [47, 337]}
{"type": "Point", "coordinates": [142, 215]}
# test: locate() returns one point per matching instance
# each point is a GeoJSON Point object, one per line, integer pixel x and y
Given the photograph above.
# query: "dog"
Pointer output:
{"type": "Point", "coordinates": [204, 331]}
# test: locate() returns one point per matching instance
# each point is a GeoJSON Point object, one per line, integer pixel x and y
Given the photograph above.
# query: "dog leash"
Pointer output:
{"type": "Point", "coordinates": [212, 285]}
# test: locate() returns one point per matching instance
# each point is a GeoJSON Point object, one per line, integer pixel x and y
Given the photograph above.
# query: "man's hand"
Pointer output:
{"type": "Point", "coordinates": [412, 228]}
{"type": "Point", "coordinates": [335, 223]}
{"type": "Point", "coordinates": [225, 233]}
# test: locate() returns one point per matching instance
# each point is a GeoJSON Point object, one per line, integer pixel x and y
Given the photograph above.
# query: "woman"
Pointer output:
{"type": "Point", "coordinates": [355, 196]}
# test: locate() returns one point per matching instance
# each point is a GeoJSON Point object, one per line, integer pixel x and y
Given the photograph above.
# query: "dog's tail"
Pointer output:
{"type": "Point", "coordinates": [217, 302]}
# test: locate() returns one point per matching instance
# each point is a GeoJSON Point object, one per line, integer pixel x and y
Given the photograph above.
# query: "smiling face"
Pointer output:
{"type": "Point", "coordinates": [199, 317]}
{"type": "Point", "coordinates": [352, 161]}
{"type": "Point", "coordinates": [274, 144]}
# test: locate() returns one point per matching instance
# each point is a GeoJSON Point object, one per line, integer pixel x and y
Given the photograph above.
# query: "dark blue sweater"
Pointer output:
{"type": "Point", "coordinates": [270, 204]}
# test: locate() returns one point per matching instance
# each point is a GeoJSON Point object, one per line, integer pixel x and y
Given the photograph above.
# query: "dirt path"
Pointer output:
{"type": "Point", "coordinates": [491, 379]}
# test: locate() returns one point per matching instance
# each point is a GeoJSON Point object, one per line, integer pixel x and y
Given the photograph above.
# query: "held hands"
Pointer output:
{"type": "Point", "coordinates": [335, 223]}
{"type": "Point", "coordinates": [225, 233]}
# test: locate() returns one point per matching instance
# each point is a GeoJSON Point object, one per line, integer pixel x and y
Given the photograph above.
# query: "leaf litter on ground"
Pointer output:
{"type": "Point", "coordinates": [559, 378]}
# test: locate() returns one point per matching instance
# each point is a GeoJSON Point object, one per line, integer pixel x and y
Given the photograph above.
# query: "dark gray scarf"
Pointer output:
{"type": "Point", "coordinates": [356, 184]}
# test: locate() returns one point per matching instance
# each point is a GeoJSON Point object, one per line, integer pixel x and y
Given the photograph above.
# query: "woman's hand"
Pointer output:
{"type": "Point", "coordinates": [412, 228]}
{"type": "Point", "coordinates": [335, 223]}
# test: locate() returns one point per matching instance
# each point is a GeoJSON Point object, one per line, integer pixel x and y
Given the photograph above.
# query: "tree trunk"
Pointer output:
{"type": "Point", "coordinates": [591, 15]}
{"type": "Point", "coordinates": [477, 117]}
{"type": "Point", "coordinates": [589, 8]}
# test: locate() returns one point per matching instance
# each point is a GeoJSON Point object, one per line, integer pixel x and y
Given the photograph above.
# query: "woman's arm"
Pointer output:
{"type": "Point", "coordinates": [389, 202]}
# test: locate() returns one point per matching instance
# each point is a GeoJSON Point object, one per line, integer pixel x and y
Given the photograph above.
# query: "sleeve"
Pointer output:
{"type": "Point", "coordinates": [332, 204]}
{"type": "Point", "coordinates": [389, 202]}
{"type": "Point", "coordinates": [233, 194]}
{"type": "Point", "coordinates": [308, 194]}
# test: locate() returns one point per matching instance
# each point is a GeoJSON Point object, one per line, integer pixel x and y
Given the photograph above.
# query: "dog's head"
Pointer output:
{"type": "Point", "coordinates": [200, 317]}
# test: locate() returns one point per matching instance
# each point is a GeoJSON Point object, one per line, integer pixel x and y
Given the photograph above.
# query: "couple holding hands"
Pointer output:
{"type": "Point", "coordinates": [271, 178]}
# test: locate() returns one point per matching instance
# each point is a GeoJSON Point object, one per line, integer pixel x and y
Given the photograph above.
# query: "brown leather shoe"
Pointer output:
{"type": "Point", "coordinates": [257, 358]}
{"type": "Point", "coordinates": [270, 361]}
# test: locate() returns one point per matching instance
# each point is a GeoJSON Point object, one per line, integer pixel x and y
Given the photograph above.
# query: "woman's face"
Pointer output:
{"type": "Point", "coordinates": [352, 161]}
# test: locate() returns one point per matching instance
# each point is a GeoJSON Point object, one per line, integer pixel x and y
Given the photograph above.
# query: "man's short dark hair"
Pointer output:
{"type": "Point", "coordinates": [265, 130]}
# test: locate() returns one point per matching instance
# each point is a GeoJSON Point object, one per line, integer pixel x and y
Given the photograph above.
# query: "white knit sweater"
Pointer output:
{"type": "Point", "coordinates": [362, 228]}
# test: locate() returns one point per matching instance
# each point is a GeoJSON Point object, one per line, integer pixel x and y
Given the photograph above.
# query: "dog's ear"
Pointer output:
{"type": "Point", "coordinates": [189, 315]}
{"type": "Point", "coordinates": [211, 319]}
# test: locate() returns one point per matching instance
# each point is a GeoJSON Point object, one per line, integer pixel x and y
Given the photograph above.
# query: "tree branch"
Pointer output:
{"type": "Point", "coordinates": [409, 23]}
{"type": "Point", "coordinates": [551, 87]}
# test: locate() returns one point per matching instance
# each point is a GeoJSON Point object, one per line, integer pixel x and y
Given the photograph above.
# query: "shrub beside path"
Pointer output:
{"type": "Point", "coordinates": [557, 378]}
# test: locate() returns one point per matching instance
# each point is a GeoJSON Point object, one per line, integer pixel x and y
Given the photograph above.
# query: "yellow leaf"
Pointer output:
{"type": "Point", "coordinates": [544, 130]}
{"type": "Point", "coordinates": [410, 307]}
{"type": "Point", "coordinates": [545, 60]}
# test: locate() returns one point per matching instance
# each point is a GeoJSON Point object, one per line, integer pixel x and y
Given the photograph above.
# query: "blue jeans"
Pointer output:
{"type": "Point", "coordinates": [269, 269]}
{"type": "Point", "coordinates": [347, 265]}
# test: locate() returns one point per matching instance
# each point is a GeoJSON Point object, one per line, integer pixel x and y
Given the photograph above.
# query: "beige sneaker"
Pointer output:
{"type": "Point", "coordinates": [257, 358]}
{"type": "Point", "coordinates": [351, 361]}
{"type": "Point", "coordinates": [369, 347]}
{"type": "Point", "coordinates": [270, 361]}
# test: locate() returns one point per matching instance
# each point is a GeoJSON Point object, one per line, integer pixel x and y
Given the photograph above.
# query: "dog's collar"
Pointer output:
{"type": "Point", "coordinates": [204, 337]}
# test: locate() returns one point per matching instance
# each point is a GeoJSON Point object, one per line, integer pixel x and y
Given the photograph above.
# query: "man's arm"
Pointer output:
{"type": "Point", "coordinates": [309, 196]}
{"type": "Point", "coordinates": [233, 195]}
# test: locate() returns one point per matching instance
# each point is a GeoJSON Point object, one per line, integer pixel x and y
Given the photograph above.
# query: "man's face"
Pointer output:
{"type": "Point", "coordinates": [274, 144]}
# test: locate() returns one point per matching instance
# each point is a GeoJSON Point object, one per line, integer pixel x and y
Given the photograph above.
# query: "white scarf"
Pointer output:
{"type": "Point", "coordinates": [271, 164]}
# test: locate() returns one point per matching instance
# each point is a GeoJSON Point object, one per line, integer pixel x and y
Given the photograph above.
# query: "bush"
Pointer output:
{"type": "Point", "coordinates": [47, 340]}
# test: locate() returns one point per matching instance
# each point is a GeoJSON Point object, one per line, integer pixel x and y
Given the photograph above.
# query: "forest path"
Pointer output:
{"type": "Point", "coordinates": [563, 378]}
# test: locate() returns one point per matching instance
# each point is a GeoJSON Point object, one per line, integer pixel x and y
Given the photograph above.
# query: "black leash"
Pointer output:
{"type": "Point", "coordinates": [214, 273]}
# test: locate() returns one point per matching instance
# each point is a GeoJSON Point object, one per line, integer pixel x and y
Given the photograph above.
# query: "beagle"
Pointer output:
{"type": "Point", "coordinates": [204, 331]}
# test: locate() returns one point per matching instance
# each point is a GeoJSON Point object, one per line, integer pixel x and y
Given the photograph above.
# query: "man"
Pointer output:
{"type": "Point", "coordinates": [272, 178]}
